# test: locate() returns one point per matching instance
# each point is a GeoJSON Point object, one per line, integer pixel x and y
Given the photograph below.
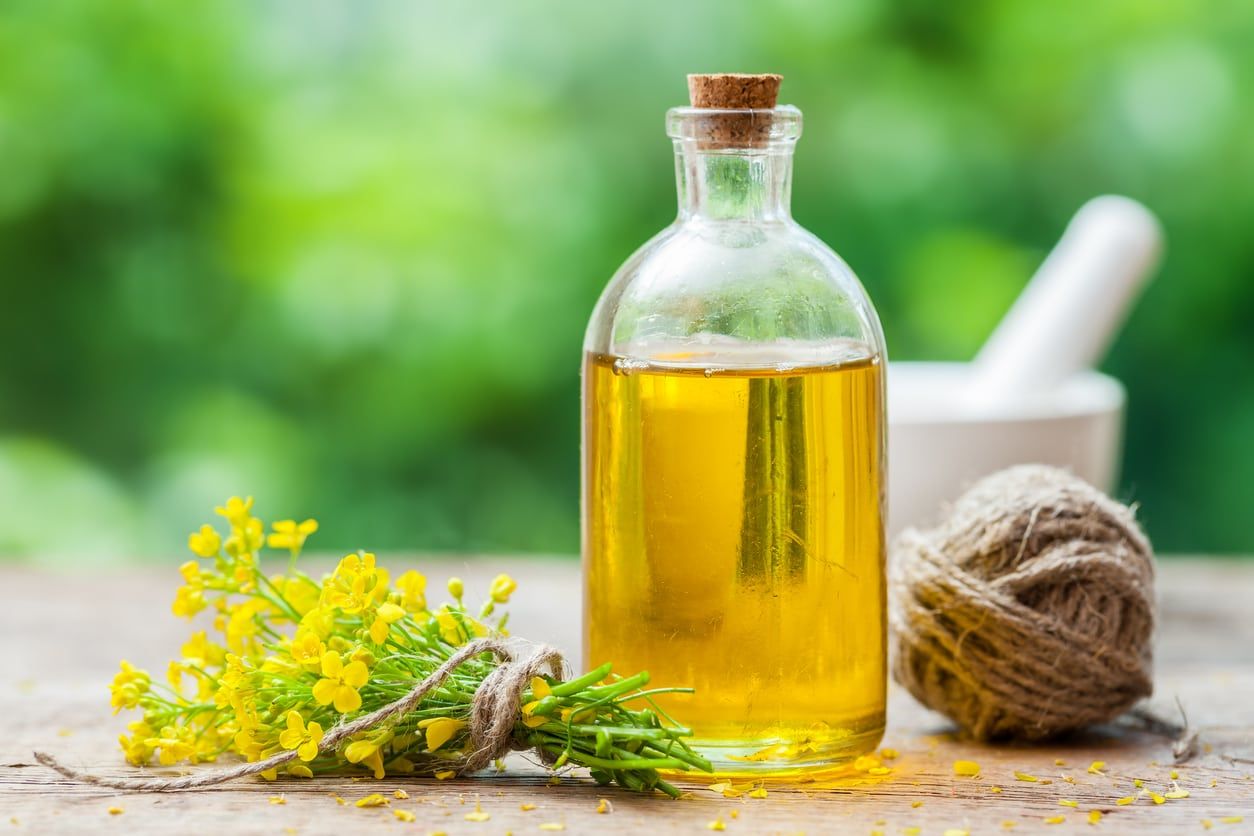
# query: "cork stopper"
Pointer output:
{"type": "Point", "coordinates": [751, 93]}
{"type": "Point", "coordinates": [734, 91]}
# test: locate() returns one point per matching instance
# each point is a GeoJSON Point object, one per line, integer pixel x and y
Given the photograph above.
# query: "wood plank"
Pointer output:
{"type": "Point", "coordinates": [62, 634]}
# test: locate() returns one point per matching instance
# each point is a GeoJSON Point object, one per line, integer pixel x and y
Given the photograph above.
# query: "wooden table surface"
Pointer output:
{"type": "Point", "coordinates": [61, 635]}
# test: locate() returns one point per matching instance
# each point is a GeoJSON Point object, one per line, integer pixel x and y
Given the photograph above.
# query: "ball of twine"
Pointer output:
{"type": "Point", "coordinates": [1029, 611]}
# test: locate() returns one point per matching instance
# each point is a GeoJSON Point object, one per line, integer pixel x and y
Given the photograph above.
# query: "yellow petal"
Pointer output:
{"type": "Point", "coordinates": [441, 731]}
{"type": "Point", "coordinates": [390, 612]}
{"type": "Point", "coordinates": [355, 675]}
{"type": "Point", "coordinates": [346, 699]}
{"type": "Point", "coordinates": [331, 664]}
{"type": "Point", "coordinates": [379, 631]}
{"type": "Point", "coordinates": [967, 768]}
{"type": "Point", "coordinates": [324, 691]}
{"type": "Point", "coordinates": [539, 688]}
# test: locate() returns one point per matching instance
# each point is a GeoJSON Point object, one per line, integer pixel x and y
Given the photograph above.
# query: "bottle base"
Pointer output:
{"type": "Point", "coordinates": [805, 755]}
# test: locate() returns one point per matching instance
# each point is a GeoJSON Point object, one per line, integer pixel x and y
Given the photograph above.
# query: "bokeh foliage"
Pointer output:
{"type": "Point", "coordinates": [340, 255]}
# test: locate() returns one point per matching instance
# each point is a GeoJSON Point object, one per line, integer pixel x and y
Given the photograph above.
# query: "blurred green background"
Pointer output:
{"type": "Point", "coordinates": [340, 255]}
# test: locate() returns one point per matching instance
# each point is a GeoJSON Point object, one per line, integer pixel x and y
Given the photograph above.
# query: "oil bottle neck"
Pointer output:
{"type": "Point", "coordinates": [734, 184]}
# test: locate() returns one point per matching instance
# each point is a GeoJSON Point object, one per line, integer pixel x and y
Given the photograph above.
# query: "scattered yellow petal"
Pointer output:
{"type": "Point", "coordinates": [760, 792]}
{"type": "Point", "coordinates": [866, 762]}
{"type": "Point", "coordinates": [1214, 782]}
{"type": "Point", "coordinates": [526, 807]}
{"type": "Point", "coordinates": [1055, 819]}
{"type": "Point", "coordinates": [1232, 819]}
{"type": "Point", "coordinates": [1138, 783]}
{"type": "Point", "coordinates": [889, 754]}
{"type": "Point", "coordinates": [552, 825]}
{"type": "Point", "coordinates": [1158, 799]}
{"type": "Point", "coordinates": [1096, 767]}
{"type": "Point", "coordinates": [1059, 762]}
{"type": "Point", "coordinates": [1176, 793]}
{"type": "Point", "coordinates": [478, 814]}
{"type": "Point", "coordinates": [445, 774]}
{"type": "Point", "coordinates": [966, 768]}
{"type": "Point", "coordinates": [1095, 816]}
{"type": "Point", "coordinates": [64, 732]}
{"type": "Point", "coordinates": [603, 806]}
{"type": "Point", "coordinates": [1047, 780]}
{"type": "Point", "coordinates": [1207, 824]}
{"type": "Point", "coordinates": [957, 831]}
{"type": "Point", "coordinates": [1068, 779]}
{"type": "Point", "coordinates": [1174, 774]}
{"type": "Point", "coordinates": [1009, 825]}
{"type": "Point", "coordinates": [404, 815]}
{"type": "Point", "coordinates": [278, 799]}
{"type": "Point", "coordinates": [717, 824]}
{"type": "Point", "coordinates": [1023, 776]}
{"type": "Point", "coordinates": [994, 789]}
{"type": "Point", "coordinates": [916, 804]}
{"type": "Point", "coordinates": [878, 770]}
{"type": "Point", "coordinates": [372, 800]}
{"type": "Point", "coordinates": [339, 800]}
{"type": "Point", "coordinates": [401, 794]}
{"type": "Point", "coordinates": [911, 831]}
{"type": "Point", "coordinates": [1125, 801]}
{"type": "Point", "coordinates": [727, 790]}
{"type": "Point", "coordinates": [735, 814]}
{"type": "Point", "coordinates": [1067, 802]}
{"type": "Point", "coordinates": [116, 811]}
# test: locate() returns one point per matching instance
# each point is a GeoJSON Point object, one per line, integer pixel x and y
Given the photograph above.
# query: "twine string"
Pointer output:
{"type": "Point", "coordinates": [493, 712]}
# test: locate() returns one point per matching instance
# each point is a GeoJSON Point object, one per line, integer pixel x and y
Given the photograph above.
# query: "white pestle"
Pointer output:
{"type": "Point", "coordinates": [1066, 317]}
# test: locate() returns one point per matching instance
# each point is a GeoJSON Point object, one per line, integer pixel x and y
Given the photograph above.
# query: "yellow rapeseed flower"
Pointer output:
{"type": "Point", "coordinates": [201, 652]}
{"type": "Point", "coordinates": [306, 649]}
{"type": "Point", "coordinates": [204, 543]}
{"type": "Point", "coordinates": [456, 588]}
{"type": "Point", "coordinates": [367, 752]}
{"type": "Point", "coordinates": [440, 730]}
{"type": "Point", "coordinates": [175, 743]}
{"type": "Point", "coordinates": [384, 617]}
{"type": "Point", "coordinates": [355, 584]}
{"type": "Point", "coordinates": [540, 688]}
{"type": "Point", "coordinates": [450, 628]}
{"type": "Point", "coordinates": [128, 686]}
{"type": "Point", "coordinates": [413, 589]}
{"type": "Point", "coordinates": [340, 682]}
{"type": "Point", "coordinates": [136, 746]}
{"type": "Point", "coordinates": [246, 538]}
{"type": "Point", "coordinates": [236, 511]}
{"type": "Point", "coordinates": [304, 739]}
{"type": "Point", "coordinates": [188, 601]}
{"type": "Point", "coordinates": [291, 535]}
{"type": "Point", "coordinates": [502, 587]}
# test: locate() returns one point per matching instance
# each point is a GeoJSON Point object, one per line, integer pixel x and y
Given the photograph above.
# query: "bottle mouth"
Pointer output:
{"type": "Point", "coordinates": [732, 129]}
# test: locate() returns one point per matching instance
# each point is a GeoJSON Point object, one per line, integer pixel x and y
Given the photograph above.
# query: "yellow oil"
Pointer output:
{"type": "Point", "coordinates": [733, 543]}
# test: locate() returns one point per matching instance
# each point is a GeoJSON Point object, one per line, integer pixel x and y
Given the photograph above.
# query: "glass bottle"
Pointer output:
{"type": "Point", "coordinates": [733, 464]}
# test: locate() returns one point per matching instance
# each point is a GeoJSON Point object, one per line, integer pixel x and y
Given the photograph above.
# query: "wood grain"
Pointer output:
{"type": "Point", "coordinates": [61, 635]}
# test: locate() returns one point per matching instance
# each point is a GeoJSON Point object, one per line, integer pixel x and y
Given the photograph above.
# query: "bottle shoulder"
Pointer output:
{"type": "Point", "coordinates": [757, 283]}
